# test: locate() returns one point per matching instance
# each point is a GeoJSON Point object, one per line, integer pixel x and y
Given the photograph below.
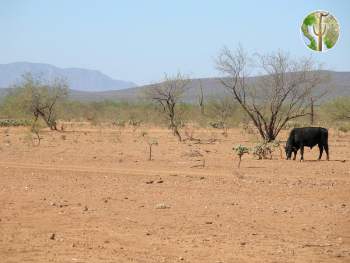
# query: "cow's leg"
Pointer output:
{"type": "Point", "coordinates": [320, 146]}
{"type": "Point", "coordinates": [326, 149]}
{"type": "Point", "coordinates": [295, 155]}
{"type": "Point", "coordinates": [302, 153]}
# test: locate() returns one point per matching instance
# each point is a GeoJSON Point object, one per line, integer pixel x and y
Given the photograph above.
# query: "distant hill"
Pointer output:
{"type": "Point", "coordinates": [339, 85]}
{"type": "Point", "coordinates": [78, 78]}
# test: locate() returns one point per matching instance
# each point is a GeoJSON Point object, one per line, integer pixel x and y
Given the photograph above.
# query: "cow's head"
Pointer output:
{"type": "Point", "coordinates": [289, 150]}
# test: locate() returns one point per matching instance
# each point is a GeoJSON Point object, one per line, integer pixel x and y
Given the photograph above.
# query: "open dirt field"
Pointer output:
{"type": "Point", "coordinates": [91, 195]}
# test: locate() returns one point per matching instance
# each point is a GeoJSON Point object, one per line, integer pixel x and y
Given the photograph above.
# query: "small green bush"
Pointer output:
{"type": "Point", "coordinates": [344, 128]}
{"type": "Point", "coordinates": [14, 123]}
{"type": "Point", "coordinates": [264, 150]}
{"type": "Point", "coordinates": [240, 150]}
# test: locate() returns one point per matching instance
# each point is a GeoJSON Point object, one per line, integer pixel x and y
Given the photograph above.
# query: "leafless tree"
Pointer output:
{"type": "Point", "coordinates": [201, 98]}
{"type": "Point", "coordinates": [315, 97]}
{"type": "Point", "coordinates": [281, 94]}
{"type": "Point", "coordinates": [168, 95]}
{"type": "Point", "coordinates": [221, 109]}
{"type": "Point", "coordinates": [151, 142]}
{"type": "Point", "coordinates": [41, 99]}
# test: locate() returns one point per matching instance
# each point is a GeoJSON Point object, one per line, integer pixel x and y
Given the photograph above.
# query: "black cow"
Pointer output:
{"type": "Point", "coordinates": [307, 136]}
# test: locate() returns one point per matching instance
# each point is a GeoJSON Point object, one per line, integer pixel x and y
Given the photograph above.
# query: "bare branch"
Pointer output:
{"type": "Point", "coordinates": [281, 94]}
{"type": "Point", "coordinates": [168, 94]}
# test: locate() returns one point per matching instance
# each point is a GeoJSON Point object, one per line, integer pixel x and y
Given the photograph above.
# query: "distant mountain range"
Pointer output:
{"type": "Point", "coordinates": [77, 78]}
{"type": "Point", "coordinates": [338, 85]}
{"type": "Point", "coordinates": [90, 81]}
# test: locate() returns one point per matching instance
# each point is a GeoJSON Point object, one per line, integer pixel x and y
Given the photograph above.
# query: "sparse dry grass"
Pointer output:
{"type": "Point", "coordinates": [99, 195]}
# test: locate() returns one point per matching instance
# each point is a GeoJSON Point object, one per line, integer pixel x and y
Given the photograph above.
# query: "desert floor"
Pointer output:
{"type": "Point", "coordinates": [90, 195]}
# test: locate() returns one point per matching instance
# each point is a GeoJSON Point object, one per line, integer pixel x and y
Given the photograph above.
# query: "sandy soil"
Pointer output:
{"type": "Point", "coordinates": [91, 195]}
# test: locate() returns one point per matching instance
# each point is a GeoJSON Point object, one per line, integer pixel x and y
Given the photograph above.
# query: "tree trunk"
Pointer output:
{"type": "Point", "coordinates": [150, 153]}
{"type": "Point", "coordinates": [176, 132]}
{"type": "Point", "coordinates": [312, 111]}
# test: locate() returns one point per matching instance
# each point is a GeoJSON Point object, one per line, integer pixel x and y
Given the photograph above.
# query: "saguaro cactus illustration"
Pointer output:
{"type": "Point", "coordinates": [321, 30]}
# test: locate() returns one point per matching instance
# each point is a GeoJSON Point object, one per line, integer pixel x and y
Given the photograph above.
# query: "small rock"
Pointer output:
{"type": "Point", "coordinates": [160, 181]}
{"type": "Point", "coordinates": [181, 258]}
{"type": "Point", "coordinates": [243, 243]}
{"type": "Point", "coordinates": [150, 182]}
{"type": "Point", "coordinates": [86, 208]}
{"type": "Point", "coordinates": [209, 222]}
{"type": "Point", "coordinates": [162, 206]}
{"type": "Point", "coordinates": [53, 236]}
{"type": "Point", "coordinates": [201, 178]}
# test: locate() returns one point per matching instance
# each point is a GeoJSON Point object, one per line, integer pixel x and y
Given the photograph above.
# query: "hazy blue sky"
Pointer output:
{"type": "Point", "coordinates": [140, 40]}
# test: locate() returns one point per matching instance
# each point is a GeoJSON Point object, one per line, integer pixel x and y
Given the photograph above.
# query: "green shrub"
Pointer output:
{"type": "Point", "coordinates": [240, 150]}
{"type": "Point", "coordinates": [344, 128]}
{"type": "Point", "coordinates": [264, 150]}
{"type": "Point", "coordinates": [14, 123]}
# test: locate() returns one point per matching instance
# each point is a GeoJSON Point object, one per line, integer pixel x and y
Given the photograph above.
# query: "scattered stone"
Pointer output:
{"type": "Point", "coordinates": [209, 222]}
{"type": "Point", "coordinates": [201, 178]}
{"type": "Point", "coordinates": [150, 182]}
{"type": "Point", "coordinates": [243, 243]}
{"type": "Point", "coordinates": [86, 208]}
{"type": "Point", "coordinates": [53, 236]}
{"type": "Point", "coordinates": [160, 181]}
{"type": "Point", "coordinates": [181, 258]}
{"type": "Point", "coordinates": [162, 206]}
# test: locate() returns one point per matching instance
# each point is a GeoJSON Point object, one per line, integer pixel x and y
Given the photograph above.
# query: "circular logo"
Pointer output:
{"type": "Point", "coordinates": [320, 31]}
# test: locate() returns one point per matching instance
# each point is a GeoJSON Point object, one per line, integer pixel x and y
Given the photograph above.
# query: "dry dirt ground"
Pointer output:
{"type": "Point", "coordinates": [90, 195]}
